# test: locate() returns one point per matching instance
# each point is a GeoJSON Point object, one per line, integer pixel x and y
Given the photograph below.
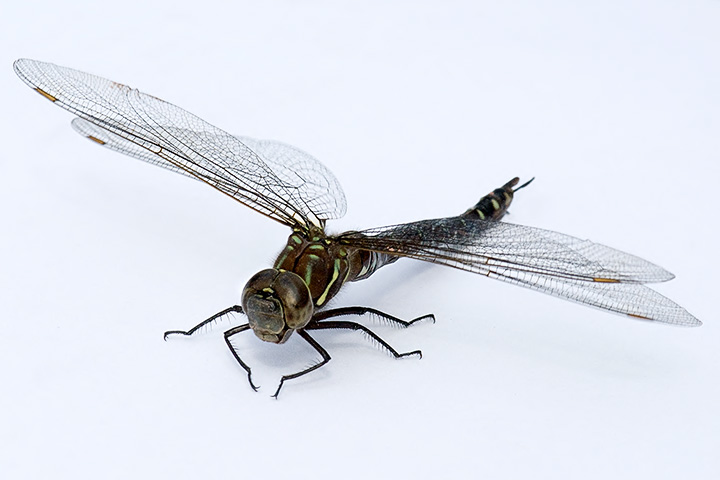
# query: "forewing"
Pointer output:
{"type": "Point", "coordinates": [561, 265]}
{"type": "Point", "coordinates": [299, 195]}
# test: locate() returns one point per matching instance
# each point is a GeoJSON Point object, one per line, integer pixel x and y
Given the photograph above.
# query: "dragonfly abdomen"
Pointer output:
{"type": "Point", "coordinates": [366, 262]}
{"type": "Point", "coordinates": [495, 204]}
{"type": "Point", "coordinates": [492, 206]}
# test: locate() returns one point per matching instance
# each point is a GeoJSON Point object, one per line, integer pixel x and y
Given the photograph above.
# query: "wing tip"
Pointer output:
{"type": "Point", "coordinates": [21, 67]}
{"type": "Point", "coordinates": [664, 275]}
{"type": "Point", "coordinates": [691, 321]}
{"type": "Point", "coordinates": [17, 64]}
{"type": "Point", "coordinates": [685, 319]}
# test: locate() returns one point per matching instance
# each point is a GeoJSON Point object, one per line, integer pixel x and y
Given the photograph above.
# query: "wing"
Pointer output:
{"type": "Point", "coordinates": [285, 161]}
{"type": "Point", "coordinates": [276, 180]}
{"type": "Point", "coordinates": [550, 262]}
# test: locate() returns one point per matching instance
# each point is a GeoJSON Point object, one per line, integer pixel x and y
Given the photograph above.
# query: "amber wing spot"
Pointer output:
{"type": "Point", "coordinates": [606, 280]}
{"type": "Point", "coordinates": [96, 140]}
{"type": "Point", "coordinates": [45, 94]}
{"type": "Point", "coordinates": [638, 316]}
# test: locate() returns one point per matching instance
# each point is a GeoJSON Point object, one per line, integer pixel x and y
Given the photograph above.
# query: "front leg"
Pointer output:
{"type": "Point", "coordinates": [325, 355]}
{"type": "Point", "coordinates": [234, 308]}
{"type": "Point", "coordinates": [229, 334]}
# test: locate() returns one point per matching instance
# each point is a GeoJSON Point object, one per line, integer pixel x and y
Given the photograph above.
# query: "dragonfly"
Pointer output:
{"type": "Point", "coordinates": [293, 188]}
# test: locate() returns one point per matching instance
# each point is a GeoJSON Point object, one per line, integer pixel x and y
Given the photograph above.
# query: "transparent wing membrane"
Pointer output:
{"type": "Point", "coordinates": [279, 181]}
{"type": "Point", "coordinates": [291, 187]}
{"type": "Point", "coordinates": [557, 264]}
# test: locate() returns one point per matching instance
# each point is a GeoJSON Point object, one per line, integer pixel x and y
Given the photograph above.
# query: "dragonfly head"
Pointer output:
{"type": "Point", "coordinates": [276, 303]}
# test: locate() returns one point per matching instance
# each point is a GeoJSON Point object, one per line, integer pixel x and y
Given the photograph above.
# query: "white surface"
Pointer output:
{"type": "Point", "coordinates": [419, 109]}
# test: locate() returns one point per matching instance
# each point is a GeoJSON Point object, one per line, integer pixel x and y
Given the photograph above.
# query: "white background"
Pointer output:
{"type": "Point", "coordinates": [419, 108]}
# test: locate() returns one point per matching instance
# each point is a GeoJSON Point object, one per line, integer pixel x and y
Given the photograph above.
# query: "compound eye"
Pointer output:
{"type": "Point", "coordinates": [294, 294]}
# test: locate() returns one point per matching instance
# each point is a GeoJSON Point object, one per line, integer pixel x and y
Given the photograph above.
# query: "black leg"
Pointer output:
{"type": "Point", "coordinates": [234, 308]}
{"type": "Point", "coordinates": [229, 334]}
{"type": "Point", "coordinates": [318, 348]}
{"type": "Point", "coordinates": [337, 312]}
{"type": "Point", "coordinates": [334, 324]}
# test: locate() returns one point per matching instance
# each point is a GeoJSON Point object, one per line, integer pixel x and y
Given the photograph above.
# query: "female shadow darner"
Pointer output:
{"type": "Point", "coordinates": [291, 187]}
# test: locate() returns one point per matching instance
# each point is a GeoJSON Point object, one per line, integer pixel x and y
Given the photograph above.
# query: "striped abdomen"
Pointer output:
{"type": "Point", "coordinates": [492, 206]}
{"type": "Point", "coordinates": [495, 204]}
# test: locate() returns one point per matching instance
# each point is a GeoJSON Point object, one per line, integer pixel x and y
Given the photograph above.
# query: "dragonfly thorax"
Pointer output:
{"type": "Point", "coordinates": [276, 302]}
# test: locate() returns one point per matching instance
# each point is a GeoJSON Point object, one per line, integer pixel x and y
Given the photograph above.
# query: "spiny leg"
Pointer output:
{"type": "Point", "coordinates": [325, 355]}
{"type": "Point", "coordinates": [337, 325]}
{"type": "Point", "coordinates": [338, 312]}
{"type": "Point", "coordinates": [229, 334]}
{"type": "Point", "coordinates": [234, 308]}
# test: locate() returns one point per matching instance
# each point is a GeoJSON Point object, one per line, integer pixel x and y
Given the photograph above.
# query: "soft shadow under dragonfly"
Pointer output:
{"type": "Point", "coordinates": [293, 188]}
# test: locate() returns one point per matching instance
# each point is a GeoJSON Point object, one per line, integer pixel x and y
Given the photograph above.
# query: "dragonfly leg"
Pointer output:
{"type": "Point", "coordinates": [229, 334]}
{"type": "Point", "coordinates": [234, 308]}
{"type": "Point", "coordinates": [342, 325]}
{"type": "Point", "coordinates": [337, 312]}
{"type": "Point", "coordinates": [325, 359]}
